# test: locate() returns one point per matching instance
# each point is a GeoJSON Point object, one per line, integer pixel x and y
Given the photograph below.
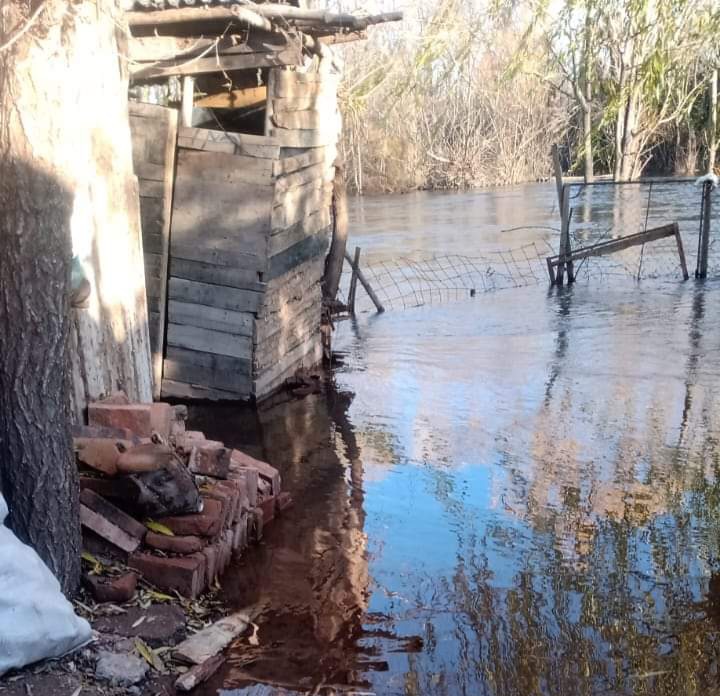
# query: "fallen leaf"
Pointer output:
{"type": "Point", "coordinates": [77, 691]}
{"type": "Point", "coordinates": [159, 528]}
{"type": "Point", "coordinates": [148, 654]}
{"type": "Point", "coordinates": [160, 597]}
{"type": "Point", "coordinates": [89, 558]}
{"type": "Point", "coordinates": [139, 621]}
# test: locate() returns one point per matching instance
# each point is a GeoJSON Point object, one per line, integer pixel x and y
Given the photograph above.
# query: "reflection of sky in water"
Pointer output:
{"type": "Point", "coordinates": [540, 487]}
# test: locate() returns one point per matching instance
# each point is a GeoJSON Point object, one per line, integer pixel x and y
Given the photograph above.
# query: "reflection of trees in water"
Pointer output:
{"type": "Point", "coordinates": [609, 528]}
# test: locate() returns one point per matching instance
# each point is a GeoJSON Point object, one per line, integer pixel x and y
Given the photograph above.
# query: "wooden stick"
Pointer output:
{"type": "Point", "coordinates": [681, 253]}
{"type": "Point", "coordinates": [363, 280]}
{"type": "Point", "coordinates": [353, 283]}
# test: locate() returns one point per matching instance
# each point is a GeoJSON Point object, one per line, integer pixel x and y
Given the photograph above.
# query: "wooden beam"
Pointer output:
{"type": "Point", "coordinates": [261, 17]}
{"type": "Point", "coordinates": [217, 64]}
{"type": "Point", "coordinates": [237, 16]}
{"type": "Point", "coordinates": [188, 101]}
{"type": "Point", "coordinates": [236, 99]}
{"type": "Point", "coordinates": [612, 246]}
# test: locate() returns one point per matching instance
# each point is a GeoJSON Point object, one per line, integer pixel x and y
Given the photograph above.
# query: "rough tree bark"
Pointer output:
{"type": "Point", "coordinates": [64, 164]}
{"type": "Point", "coordinates": [37, 471]}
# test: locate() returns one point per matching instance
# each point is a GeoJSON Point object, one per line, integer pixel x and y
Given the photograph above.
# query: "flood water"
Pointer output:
{"type": "Point", "coordinates": [516, 494]}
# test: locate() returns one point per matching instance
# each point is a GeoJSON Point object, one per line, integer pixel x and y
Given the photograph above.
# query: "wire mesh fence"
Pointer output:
{"type": "Point", "coordinates": [598, 213]}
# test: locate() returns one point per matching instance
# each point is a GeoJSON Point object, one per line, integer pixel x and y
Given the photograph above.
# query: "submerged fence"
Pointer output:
{"type": "Point", "coordinates": [597, 214]}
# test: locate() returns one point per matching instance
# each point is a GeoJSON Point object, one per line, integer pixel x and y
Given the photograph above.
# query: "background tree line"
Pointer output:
{"type": "Point", "coordinates": [466, 93]}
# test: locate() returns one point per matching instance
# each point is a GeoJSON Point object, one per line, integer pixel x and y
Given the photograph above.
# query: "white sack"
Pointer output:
{"type": "Point", "coordinates": [36, 621]}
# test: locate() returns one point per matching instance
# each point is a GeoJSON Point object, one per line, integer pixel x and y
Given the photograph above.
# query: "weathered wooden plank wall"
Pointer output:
{"type": "Point", "coordinates": [303, 117]}
{"type": "Point", "coordinates": [154, 133]}
{"type": "Point", "coordinates": [224, 192]}
{"type": "Point", "coordinates": [250, 228]}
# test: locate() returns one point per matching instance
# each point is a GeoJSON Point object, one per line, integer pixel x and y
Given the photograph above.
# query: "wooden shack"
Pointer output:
{"type": "Point", "coordinates": [235, 162]}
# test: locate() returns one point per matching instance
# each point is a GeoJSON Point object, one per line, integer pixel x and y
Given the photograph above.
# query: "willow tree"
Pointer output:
{"type": "Point", "coordinates": [651, 51]}
{"type": "Point", "coordinates": [62, 106]}
{"type": "Point", "coordinates": [568, 60]}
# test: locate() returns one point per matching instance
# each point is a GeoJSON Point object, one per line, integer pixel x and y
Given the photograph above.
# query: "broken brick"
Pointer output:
{"type": "Point", "coordinates": [135, 417]}
{"type": "Point", "coordinates": [113, 514]}
{"type": "Point", "coordinates": [210, 458]}
{"type": "Point", "coordinates": [99, 453]}
{"type": "Point", "coordinates": [207, 523]}
{"type": "Point", "coordinates": [107, 589]}
{"type": "Point", "coordinates": [186, 574]}
{"type": "Point", "coordinates": [174, 544]}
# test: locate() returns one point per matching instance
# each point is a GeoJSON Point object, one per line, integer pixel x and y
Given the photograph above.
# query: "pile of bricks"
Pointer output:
{"type": "Point", "coordinates": [215, 501]}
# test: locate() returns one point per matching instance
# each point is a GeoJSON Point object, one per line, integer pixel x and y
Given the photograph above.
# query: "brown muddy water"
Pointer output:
{"type": "Point", "coordinates": [512, 495]}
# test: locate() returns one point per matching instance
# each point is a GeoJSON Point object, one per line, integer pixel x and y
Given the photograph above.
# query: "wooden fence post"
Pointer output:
{"type": "Point", "coordinates": [364, 282]}
{"type": "Point", "coordinates": [353, 282]}
{"type": "Point", "coordinates": [702, 262]}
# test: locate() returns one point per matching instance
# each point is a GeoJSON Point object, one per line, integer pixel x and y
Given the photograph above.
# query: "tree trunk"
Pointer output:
{"type": "Point", "coordinates": [336, 255]}
{"type": "Point", "coordinates": [59, 152]}
{"type": "Point", "coordinates": [712, 123]}
{"type": "Point", "coordinates": [588, 170]}
{"type": "Point", "coordinates": [631, 140]}
{"type": "Point", "coordinates": [37, 469]}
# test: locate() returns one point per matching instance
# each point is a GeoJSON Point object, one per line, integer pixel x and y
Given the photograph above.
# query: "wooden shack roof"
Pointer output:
{"type": "Point", "coordinates": [224, 35]}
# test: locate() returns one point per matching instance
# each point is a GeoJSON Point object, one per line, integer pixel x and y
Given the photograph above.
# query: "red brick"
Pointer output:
{"type": "Point", "coordinates": [113, 514]}
{"type": "Point", "coordinates": [105, 589]}
{"type": "Point", "coordinates": [228, 494]}
{"type": "Point", "coordinates": [240, 536]}
{"type": "Point", "coordinates": [184, 545]}
{"type": "Point", "coordinates": [226, 549]}
{"type": "Point", "coordinates": [268, 509]}
{"type": "Point", "coordinates": [102, 486]}
{"type": "Point", "coordinates": [99, 453]}
{"type": "Point", "coordinates": [162, 416]}
{"type": "Point", "coordinates": [188, 440]}
{"type": "Point", "coordinates": [186, 574]}
{"type": "Point", "coordinates": [146, 457]}
{"type": "Point", "coordinates": [107, 530]}
{"type": "Point", "coordinates": [210, 458]}
{"type": "Point", "coordinates": [91, 431]}
{"type": "Point", "coordinates": [250, 479]}
{"type": "Point", "coordinates": [269, 473]}
{"type": "Point", "coordinates": [207, 523]}
{"type": "Point", "coordinates": [211, 563]}
{"type": "Point", "coordinates": [135, 417]}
